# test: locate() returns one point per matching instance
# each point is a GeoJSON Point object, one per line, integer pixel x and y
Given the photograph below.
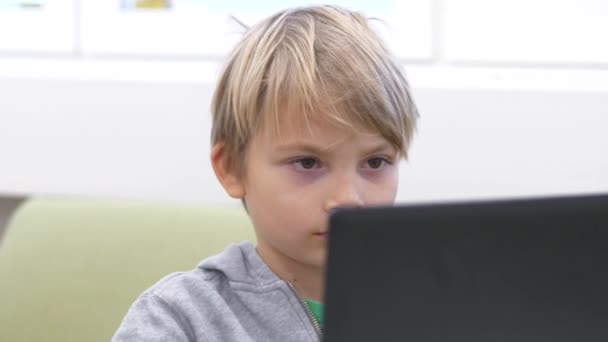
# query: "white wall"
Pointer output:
{"type": "Point", "coordinates": [478, 143]}
{"type": "Point", "coordinates": [151, 140]}
{"type": "Point", "coordinates": [513, 99]}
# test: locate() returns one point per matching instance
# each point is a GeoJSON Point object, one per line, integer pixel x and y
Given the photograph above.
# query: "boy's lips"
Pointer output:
{"type": "Point", "coordinates": [321, 234]}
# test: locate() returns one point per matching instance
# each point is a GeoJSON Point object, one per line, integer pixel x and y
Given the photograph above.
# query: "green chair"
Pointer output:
{"type": "Point", "coordinates": [70, 269]}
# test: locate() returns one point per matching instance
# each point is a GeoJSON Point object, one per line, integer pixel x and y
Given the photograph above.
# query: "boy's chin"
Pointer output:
{"type": "Point", "coordinates": [318, 260]}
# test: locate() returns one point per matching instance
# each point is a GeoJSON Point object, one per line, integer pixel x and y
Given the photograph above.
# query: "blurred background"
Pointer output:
{"type": "Point", "coordinates": [110, 99]}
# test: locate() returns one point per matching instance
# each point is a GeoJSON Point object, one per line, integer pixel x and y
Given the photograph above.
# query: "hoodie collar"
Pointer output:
{"type": "Point", "coordinates": [241, 263]}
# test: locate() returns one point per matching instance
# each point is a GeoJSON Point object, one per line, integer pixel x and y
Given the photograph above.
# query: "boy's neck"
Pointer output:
{"type": "Point", "coordinates": [307, 279]}
{"type": "Point", "coordinates": [309, 284]}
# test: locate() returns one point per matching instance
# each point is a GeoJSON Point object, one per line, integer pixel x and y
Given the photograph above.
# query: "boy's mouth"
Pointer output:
{"type": "Point", "coordinates": [321, 235]}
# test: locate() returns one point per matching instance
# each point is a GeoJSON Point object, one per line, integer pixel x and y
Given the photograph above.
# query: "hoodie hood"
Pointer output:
{"type": "Point", "coordinates": [241, 263]}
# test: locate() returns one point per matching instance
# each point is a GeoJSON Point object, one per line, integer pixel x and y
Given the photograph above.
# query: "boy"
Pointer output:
{"type": "Point", "coordinates": [311, 113]}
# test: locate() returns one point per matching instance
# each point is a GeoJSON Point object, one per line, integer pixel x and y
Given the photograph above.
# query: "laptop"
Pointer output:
{"type": "Point", "coordinates": [519, 270]}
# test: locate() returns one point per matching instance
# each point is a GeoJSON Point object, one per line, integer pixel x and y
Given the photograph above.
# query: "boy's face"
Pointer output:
{"type": "Point", "coordinates": [292, 182]}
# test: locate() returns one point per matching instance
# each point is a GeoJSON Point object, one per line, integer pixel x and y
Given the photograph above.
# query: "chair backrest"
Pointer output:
{"type": "Point", "coordinates": [70, 269]}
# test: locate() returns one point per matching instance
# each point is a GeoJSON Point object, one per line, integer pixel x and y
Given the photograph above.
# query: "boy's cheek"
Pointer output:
{"type": "Point", "coordinates": [382, 193]}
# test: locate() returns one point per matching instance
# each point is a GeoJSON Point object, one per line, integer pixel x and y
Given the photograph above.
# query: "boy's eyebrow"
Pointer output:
{"type": "Point", "coordinates": [306, 147]}
{"type": "Point", "coordinates": [381, 147]}
{"type": "Point", "coordinates": [302, 147]}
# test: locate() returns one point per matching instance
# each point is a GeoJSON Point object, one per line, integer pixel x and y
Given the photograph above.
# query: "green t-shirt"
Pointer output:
{"type": "Point", "coordinates": [317, 310]}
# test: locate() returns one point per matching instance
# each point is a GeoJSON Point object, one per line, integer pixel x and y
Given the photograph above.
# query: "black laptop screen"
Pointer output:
{"type": "Point", "coordinates": [501, 271]}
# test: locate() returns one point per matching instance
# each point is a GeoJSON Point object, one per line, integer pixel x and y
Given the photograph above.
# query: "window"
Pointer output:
{"type": "Point", "coordinates": [526, 31]}
{"type": "Point", "coordinates": [204, 28]}
{"type": "Point", "coordinates": [37, 26]}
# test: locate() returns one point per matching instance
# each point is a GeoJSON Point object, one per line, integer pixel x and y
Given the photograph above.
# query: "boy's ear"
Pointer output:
{"type": "Point", "coordinates": [227, 175]}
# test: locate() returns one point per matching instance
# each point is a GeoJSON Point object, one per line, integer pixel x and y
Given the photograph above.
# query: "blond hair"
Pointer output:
{"type": "Point", "coordinates": [318, 61]}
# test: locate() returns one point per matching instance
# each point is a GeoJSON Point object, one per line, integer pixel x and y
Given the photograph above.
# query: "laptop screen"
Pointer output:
{"type": "Point", "coordinates": [511, 270]}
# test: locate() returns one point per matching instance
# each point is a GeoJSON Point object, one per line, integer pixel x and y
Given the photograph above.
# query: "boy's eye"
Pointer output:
{"type": "Point", "coordinates": [376, 163]}
{"type": "Point", "coordinates": [306, 163]}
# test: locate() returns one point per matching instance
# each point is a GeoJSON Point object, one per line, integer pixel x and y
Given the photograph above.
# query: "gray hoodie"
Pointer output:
{"type": "Point", "coordinates": [232, 296]}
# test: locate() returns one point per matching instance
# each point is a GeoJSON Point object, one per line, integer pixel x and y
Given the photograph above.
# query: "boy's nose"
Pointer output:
{"type": "Point", "coordinates": [344, 194]}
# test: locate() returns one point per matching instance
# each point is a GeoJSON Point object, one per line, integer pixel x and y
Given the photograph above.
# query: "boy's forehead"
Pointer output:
{"type": "Point", "coordinates": [317, 127]}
